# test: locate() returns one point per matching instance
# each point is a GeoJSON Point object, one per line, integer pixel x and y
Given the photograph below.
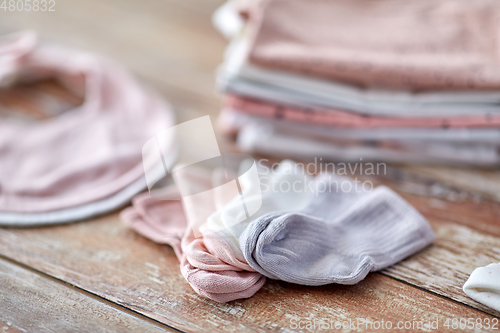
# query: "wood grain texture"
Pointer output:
{"type": "Point", "coordinates": [444, 267]}
{"type": "Point", "coordinates": [171, 46]}
{"type": "Point", "coordinates": [467, 228]}
{"type": "Point", "coordinates": [32, 303]}
{"type": "Point", "coordinates": [109, 260]}
{"type": "Point", "coordinates": [485, 182]}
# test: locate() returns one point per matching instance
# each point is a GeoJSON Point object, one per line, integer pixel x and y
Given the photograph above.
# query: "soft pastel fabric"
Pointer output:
{"type": "Point", "coordinates": [237, 76]}
{"type": "Point", "coordinates": [307, 97]}
{"type": "Point", "coordinates": [344, 233]}
{"type": "Point", "coordinates": [233, 120]}
{"type": "Point", "coordinates": [217, 265]}
{"type": "Point", "coordinates": [266, 138]}
{"type": "Point", "coordinates": [387, 99]}
{"type": "Point", "coordinates": [208, 263]}
{"type": "Point", "coordinates": [273, 197]}
{"type": "Point", "coordinates": [85, 155]}
{"type": "Point", "coordinates": [344, 119]}
{"type": "Point", "coordinates": [78, 213]}
{"type": "Point", "coordinates": [483, 285]}
{"type": "Point", "coordinates": [164, 222]}
{"type": "Point", "coordinates": [415, 44]}
{"type": "Point", "coordinates": [213, 264]}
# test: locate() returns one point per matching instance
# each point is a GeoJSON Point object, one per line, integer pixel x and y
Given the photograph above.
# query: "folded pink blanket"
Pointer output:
{"type": "Point", "coordinates": [207, 263]}
{"type": "Point", "coordinates": [340, 118]}
{"type": "Point", "coordinates": [414, 44]}
{"type": "Point", "coordinates": [86, 154]}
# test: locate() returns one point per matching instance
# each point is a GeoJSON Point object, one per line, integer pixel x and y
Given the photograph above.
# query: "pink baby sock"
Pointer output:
{"type": "Point", "coordinates": [220, 279]}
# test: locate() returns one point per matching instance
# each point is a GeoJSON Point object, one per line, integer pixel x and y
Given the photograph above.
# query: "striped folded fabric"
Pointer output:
{"type": "Point", "coordinates": [360, 65]}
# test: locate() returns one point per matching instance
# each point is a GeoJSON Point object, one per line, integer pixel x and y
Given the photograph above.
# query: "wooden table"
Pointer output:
{"type": "Point", "coordinates": [98, 275]}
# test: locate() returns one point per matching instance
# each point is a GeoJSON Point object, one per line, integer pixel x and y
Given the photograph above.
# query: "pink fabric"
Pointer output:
{"type": "Point", "coordinates": [339, 118]}
{"type": "Point", "coordinates": [413, 44]}
{"type": "Point", "coordinates": [86, 154]}
{"type": "Point", "coordinates": [207, 263]}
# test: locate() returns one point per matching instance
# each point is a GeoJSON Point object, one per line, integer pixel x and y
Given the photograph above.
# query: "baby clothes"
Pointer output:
{"type": "Point", "coordinates": [85, 161]}
{"type": "Point", "coordinates": [415, 45]}
{"type": "Point", "coordinates": [339, 237]}
{"type": "Point", "coordinates": [165, 222]}
{"type": "Point", "coordinates": [81, 212]}
{"type": "Point", "coordinates": [487, 136]}
{"type": "Point", "coordinates": [284, 88]}
{"type": "Point", "coordinates": [312, 232]}
{"type": "Point", "coordinates": [213, 264]}
{"type": "Point", "coordinates": [427, 92]}
{"type": "Point", "coordinates": [483, 285]}
{"type": "Point", "coordinates": [276, 138]}
{"type": "Point", "coordinates": [272, 196]}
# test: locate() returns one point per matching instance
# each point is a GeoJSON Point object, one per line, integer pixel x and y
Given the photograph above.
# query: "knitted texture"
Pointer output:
{"type": "Point", "coordinates": [339, 237]}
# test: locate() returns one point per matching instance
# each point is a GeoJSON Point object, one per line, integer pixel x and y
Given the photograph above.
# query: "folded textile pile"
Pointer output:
{"type": "Point", "coordinates": [320, 232]}
{"type": "Point", "coordinates": [412, 81]}
{"type": "Point", "coordinates": [85, 161]}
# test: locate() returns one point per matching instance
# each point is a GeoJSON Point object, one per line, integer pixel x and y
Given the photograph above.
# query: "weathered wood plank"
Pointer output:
{"type": "Point", "coordinates": [444, 267]}
{"type": "Point", "coordinates": [30, 302]}
{"type": "Point", "coordinates": [485, 182]}
{"type": "Point", "coordinates": [109, 260]}
{"type": "Point", "coordinates": [467, 227]}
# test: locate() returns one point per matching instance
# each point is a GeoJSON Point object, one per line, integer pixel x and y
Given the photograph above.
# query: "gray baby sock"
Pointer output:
{"type": "Point", "coordinates": [338, 238]}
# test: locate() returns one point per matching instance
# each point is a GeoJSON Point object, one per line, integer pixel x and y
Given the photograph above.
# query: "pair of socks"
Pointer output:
{"type": "Point", "coordinates": [307, 231]}
{"type": "Point", "coordinates": [216, 275]}
{"type": "Point", "coordinates": [214, 265]}
{"type": "Point", "coordinates": [344, 233]}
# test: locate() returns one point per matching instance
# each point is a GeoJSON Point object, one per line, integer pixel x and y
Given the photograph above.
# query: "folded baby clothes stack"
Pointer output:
{"type": "Point", "coordinates": [412, 81]}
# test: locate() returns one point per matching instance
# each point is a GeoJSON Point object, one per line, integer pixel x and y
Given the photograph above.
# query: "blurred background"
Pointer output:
{"type": "Point", "coordinates": [169, 45]}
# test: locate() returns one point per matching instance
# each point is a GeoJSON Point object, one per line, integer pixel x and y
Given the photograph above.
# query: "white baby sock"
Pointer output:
{"type": "Point", "coordinates": [483, 285]}
{"type": "Point", "coordinates": [277, 195]}
{"type": "Point", "coordinates": [340, 236]}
